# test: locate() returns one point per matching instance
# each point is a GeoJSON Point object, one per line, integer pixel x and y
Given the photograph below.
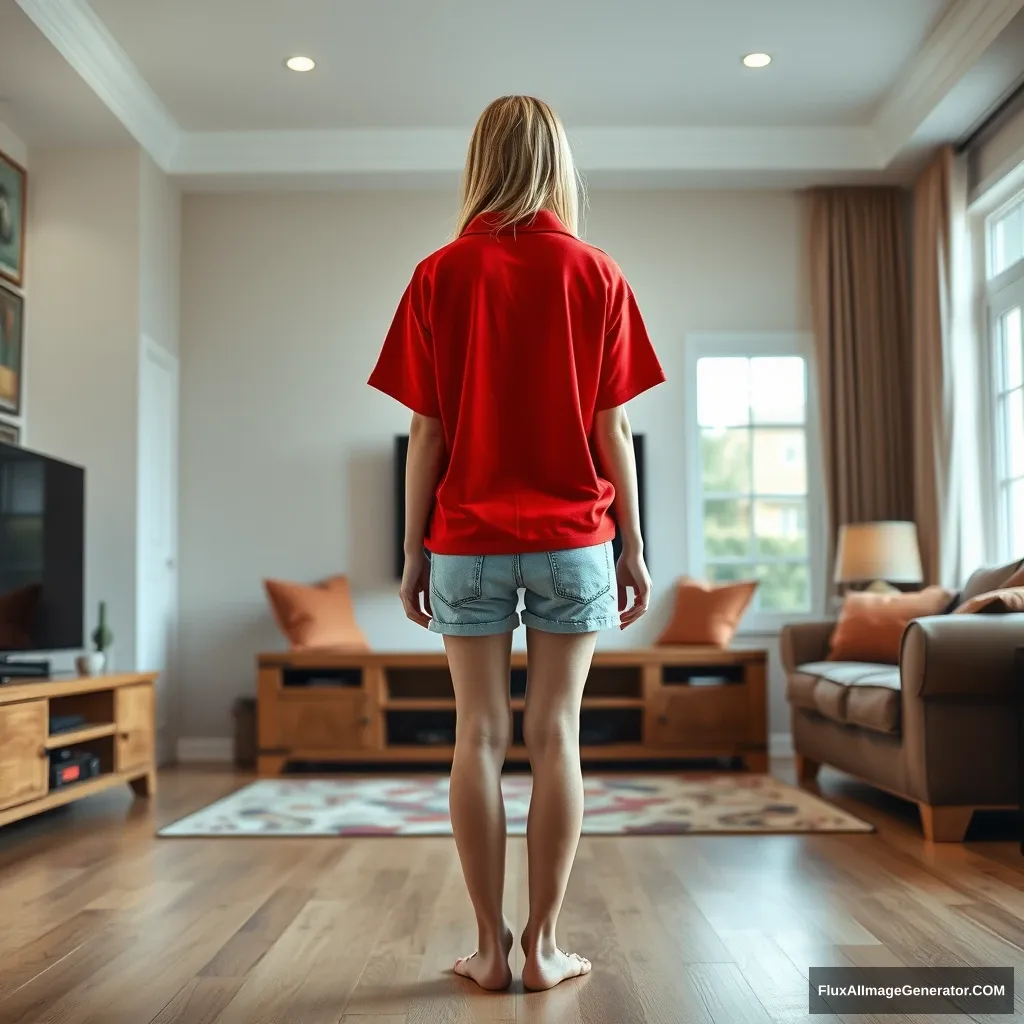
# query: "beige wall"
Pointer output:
{"type": "Point", "coordinates": [82, 346]}
{"type": "Point", "coordinates": [12, 145]}
{"type": "Point", "coordinates": [286, 453]}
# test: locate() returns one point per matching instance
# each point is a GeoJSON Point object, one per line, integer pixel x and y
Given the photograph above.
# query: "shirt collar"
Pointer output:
{"type": "Point", "coordinates": [543, 220]}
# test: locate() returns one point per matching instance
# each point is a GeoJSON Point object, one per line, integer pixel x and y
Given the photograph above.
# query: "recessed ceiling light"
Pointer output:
{"type": "Point", "coordinates": [757, 60]}
{"type": "Point", "coordinates": [300, 63]}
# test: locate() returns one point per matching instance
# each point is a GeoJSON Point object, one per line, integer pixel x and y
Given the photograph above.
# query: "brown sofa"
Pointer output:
{"type": "Point", "coordinates": [940, 728]}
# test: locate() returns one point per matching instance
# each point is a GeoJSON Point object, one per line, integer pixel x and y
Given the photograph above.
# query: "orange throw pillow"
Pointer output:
{"type": "Point", "coordinates": [707, 614]}
{"type": "Point", "coordinates": [871, 626]}
{"type": "Point", "coordinates": [317, 616]}
{"type": "Point", "coordinates": [1008, 598]}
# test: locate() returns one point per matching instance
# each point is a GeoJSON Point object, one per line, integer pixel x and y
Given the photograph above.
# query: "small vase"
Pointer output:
{"type": "Point", "coordinates": [91, 664]}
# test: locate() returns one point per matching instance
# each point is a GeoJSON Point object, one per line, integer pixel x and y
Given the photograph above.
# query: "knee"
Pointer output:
{"type": "Point", "coordinates": [544, 732]}
{"type": "Point", "coordinates": [488, 734]}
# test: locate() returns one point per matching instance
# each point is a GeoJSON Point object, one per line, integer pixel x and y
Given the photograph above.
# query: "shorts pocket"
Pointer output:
{"type": "Point", "coordinates": [456, 579]}
{"type": "Point", "coordinates": [581, 574]}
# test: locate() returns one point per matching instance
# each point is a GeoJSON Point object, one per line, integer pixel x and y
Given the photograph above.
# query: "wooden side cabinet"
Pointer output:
{"type": "Point", "coordinates": [115, 723]}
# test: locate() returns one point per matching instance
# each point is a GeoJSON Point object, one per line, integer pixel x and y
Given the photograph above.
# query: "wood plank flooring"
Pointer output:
{"type": "Point", "coordinates": [101, 923]}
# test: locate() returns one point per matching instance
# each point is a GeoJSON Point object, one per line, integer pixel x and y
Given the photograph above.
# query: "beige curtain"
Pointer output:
{"type": "Point", "coordinates": [942, 335]}
{"type": "Point", "coordinates": [861, 319]}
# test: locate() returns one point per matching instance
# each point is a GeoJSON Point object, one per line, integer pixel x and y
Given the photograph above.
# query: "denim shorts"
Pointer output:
{"type": "Point", "coordinates": [570, 591]}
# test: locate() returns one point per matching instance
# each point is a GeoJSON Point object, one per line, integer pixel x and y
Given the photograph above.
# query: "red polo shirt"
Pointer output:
{"type": "Point", "coordinates": [514, 340]}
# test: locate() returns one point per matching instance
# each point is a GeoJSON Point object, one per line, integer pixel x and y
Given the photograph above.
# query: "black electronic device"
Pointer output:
{"type": "Point", "coordinates": [70, 766]}
{"type": "Point", "coordinates": [66, 723]}
{"type": "Point", "coordinates": [42, 559]}
{"type": "Point", "coordinates": [402, 451]}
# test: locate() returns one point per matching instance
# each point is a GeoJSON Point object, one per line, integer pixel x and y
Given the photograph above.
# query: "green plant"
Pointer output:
{"type": "Point", "coordinates": [102, 637]}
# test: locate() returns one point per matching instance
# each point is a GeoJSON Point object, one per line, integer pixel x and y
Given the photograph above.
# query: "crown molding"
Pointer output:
{"type": "Point", "coordinates": [962, 34]}
{"type": "Point", "coordinates": [77, 33]}
{"type": "Point", "coordinates": [598, 151]}
{"type": "Point", "coordinates": [627, 154]}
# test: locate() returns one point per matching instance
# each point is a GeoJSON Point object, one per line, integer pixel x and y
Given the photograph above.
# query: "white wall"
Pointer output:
{"type": "Point", "coordinates": [82, 343]}
{"type": "Point", "coordinates": [286, 453]}
{"type": "Point", "coordinates": [159, 255]}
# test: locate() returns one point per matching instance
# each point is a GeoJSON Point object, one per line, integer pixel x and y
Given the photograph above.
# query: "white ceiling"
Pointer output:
{"type": "Point", "coordinates": [218, 64]}
{"type": "Point", "coordinates": [42, 99]}
{"type": "Point", "coordinates": [653, 91]}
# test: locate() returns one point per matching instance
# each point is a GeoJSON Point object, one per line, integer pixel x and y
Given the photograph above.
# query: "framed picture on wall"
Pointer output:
{"type": "Point", "coordinates": [10, 433]}
{"type": "Point", "coordinates": [12, 325]}
{"type": "Point", "coordinates": [13, 185]}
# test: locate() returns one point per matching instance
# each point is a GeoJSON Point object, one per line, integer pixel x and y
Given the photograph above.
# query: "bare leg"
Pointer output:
{"type": "Point", "coordinates": [480, 669]}
{"type": "Point", "coordinates": [558, 668]}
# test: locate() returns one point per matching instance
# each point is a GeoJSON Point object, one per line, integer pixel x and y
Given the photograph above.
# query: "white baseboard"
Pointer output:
{"type": "Point", "coordinates": [205, 750]}
{"type": "Point", "coordinates": [780, 744]}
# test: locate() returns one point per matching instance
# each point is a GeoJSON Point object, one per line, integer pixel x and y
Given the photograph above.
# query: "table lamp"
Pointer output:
{"type": "Point", "coordinates": [878, 555]}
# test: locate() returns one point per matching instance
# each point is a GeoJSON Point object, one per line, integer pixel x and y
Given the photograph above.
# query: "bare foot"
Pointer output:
{"type": "Point", "coordinates": [488, 967]}
{"type": "Point", "coordinates": [544, 970]}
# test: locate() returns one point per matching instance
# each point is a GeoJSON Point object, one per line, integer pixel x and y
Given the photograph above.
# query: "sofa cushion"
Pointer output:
{"type": "Point", "coordinates": [849, 692]}
{"type": "Point", "coordinates": [985, 580]}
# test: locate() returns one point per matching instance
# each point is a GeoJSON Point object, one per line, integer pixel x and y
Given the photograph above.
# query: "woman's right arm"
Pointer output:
{"type": "Point", "coordinates": [614, 441]}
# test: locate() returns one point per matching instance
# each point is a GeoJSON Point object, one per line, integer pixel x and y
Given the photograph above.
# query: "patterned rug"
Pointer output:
{"type": "Point", "coordinates": [614, 805]}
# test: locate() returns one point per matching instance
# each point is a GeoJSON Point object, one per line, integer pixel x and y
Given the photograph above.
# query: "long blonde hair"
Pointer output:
{"type": "Point", "coordinates": [519, 163]}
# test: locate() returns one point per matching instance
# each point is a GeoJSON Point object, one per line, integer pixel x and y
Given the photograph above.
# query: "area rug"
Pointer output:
{"type": "Point", "coordinates": [613, 805]}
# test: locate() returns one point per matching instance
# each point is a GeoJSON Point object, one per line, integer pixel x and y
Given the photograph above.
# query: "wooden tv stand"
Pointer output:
{"type": "Point", "coordinates": [120, 729]}
{"type": "Point", "coordinates": [654, 704]}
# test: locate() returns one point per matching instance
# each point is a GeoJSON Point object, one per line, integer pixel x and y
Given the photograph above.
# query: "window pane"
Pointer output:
{"type": "Point", "coordinates": [777, 390]}
{"type": "Point", "coordinates": [780, 528]}
{"type": "Point", "coordinates": [1013, 350]}
{"type": "Point", "coordinates": [1013, 431]}
{"type": "Point", "coordinates": [725, 460]}
{"type": "Point", "coordinates": [732, 573]}
{"type": "Point", "coordinates": [780, 461]}
{"type": "Point", "coordinates": [784, 588]}
{"type": "Point", "coordinates": [1015, 511]}
{"type": "Point", "coordinates": [1008, 239]}
{"type": "Point", "coordinates": [727, 528]}
{"type": "Point", "coordinates": [723, 392]}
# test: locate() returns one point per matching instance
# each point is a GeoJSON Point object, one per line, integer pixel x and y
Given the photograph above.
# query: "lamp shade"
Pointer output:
{"type": "Point", "coordinates": [878, 551]}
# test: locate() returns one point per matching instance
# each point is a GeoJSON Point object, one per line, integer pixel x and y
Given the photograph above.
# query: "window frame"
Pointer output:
{"type": "Point", "coordinates": [751, 346]}
{"type": "Point", "coordinates": [1002, 293]}
{"type": "Point", "coordinates": [1000, 302]}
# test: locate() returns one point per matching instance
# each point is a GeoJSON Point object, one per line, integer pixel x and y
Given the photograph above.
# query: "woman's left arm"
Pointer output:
{"type": "Point", "coordinates": [423, 466]}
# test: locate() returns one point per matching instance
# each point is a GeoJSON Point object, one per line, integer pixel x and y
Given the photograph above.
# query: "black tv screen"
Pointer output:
{"type": "Point", "coordinates": [401, 450]}
{"type": "Point", "coordinates": [42, 552]}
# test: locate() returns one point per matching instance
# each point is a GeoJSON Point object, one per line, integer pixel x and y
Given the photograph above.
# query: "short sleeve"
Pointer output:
{"type": "Point", "coordinates": [405, 366]}
{"type": "Point", "coordinates": [629, 365]}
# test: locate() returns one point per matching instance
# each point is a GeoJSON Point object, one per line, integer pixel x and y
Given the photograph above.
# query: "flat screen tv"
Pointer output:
{"type": "Point", "coordinates": [401, 450]}
{"type": "Point", "coordinates": [42, 552]}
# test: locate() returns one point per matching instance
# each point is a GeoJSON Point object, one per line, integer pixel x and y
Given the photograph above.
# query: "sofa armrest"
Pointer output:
{"type": "Point", "coordinates": [804, 642]}
{"type": "Point", "coordinates": [961, 656]}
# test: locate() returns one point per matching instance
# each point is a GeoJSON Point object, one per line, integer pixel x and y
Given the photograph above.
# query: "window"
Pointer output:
{"type": "Point", "coordinates": [1005, 230]}
{"type": "Point", "coordinates": [1006, 237]}
{"type": "Point", "coordinates": [751, 503]}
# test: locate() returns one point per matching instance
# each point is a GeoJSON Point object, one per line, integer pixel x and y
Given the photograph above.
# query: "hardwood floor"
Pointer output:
{"type": "Point", "coordinates": [101, 923]}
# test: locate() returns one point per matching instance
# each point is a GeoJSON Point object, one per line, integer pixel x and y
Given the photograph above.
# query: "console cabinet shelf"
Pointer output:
{"type": "Point", "coordinates": [654, 704]}
{"type": "Point", "coordinates": [118, 727]}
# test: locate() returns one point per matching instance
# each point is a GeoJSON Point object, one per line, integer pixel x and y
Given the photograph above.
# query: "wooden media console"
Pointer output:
{"type": "Point", "coordinates": [117, 726]}
{"type": "Point", "coordinates": [653, 704]}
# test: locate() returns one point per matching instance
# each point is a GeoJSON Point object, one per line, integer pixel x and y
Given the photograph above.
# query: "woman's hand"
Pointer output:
{"type": "Point", "coordinates": [631, 571]}
{"type": "Point", "coordinates": [416, 583]}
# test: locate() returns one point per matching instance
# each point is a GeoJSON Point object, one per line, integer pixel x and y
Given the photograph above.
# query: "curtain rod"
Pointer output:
{"type": "Point", "coordinates": [1009, 103]}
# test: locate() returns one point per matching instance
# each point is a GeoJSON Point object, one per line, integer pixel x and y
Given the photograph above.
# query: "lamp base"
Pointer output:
{"type": "Point", "coordinates": [881, 587]}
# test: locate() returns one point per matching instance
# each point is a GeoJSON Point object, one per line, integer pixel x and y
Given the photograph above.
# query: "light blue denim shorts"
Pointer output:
{"type": "Point", "coordinates": [570, 591]}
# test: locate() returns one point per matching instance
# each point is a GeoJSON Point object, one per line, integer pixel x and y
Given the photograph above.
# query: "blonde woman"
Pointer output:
{"type": "Point", "coordinates": [516, 347]}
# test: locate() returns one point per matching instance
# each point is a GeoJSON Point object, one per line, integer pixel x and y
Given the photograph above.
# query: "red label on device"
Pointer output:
{"type": "Point", "coordinates": [70, 773]}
